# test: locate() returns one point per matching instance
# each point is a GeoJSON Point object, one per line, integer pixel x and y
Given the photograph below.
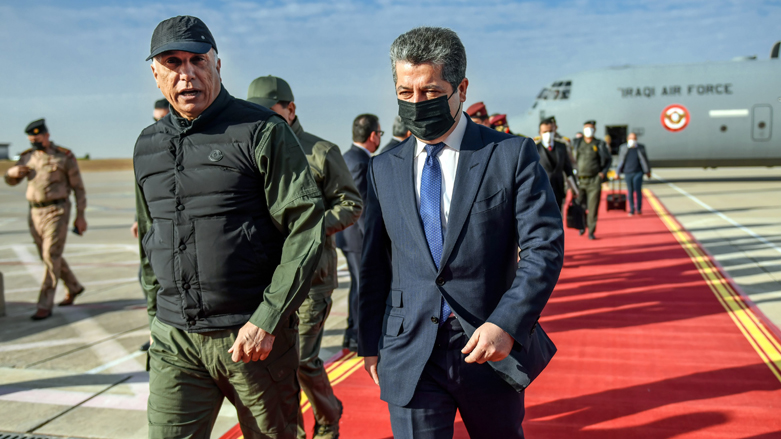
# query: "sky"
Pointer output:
{"type": "Point", "coordinates": [80, 64]}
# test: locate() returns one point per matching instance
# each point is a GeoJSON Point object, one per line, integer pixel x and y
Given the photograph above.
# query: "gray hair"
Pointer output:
{"type": "Point", "coordinates": [399, 129]}
{"type": "Point", "coordinates": [435, 45]}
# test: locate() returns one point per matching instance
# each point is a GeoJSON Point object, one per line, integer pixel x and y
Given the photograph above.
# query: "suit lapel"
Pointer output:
{"type": "Point", "coordinates": [405, 176]}
{"type": "Point", "coordinates": [472, 161]}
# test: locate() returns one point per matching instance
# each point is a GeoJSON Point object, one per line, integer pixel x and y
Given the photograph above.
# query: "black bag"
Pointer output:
{"type": "Point", "coordinates": [576, 216]}
{"type": "Point", "coordinates": [616, 200]}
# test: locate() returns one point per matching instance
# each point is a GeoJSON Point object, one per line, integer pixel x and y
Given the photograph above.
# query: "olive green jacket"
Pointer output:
{"type": "Point", "coordinates": [341, 198]}
{"type": "Point", "coordinates": [293, 206]}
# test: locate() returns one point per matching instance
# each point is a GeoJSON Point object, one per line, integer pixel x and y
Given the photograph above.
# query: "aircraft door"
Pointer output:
{"type": "Point", "coordinates": [762, 118]}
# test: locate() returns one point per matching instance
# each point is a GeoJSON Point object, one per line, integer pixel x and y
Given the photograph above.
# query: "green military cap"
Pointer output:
{"type": "Point", "coordinates": [590, 122]}
{"type": "Point", "coordinates": [36, 127]}
{"type": "Point", "coordinates": [268, 90]}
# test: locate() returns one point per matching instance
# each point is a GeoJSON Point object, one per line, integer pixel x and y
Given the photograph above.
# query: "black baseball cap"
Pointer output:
{"type": "Point", "coordinates": [161, 104]}
{"type": "Point", "coordinates": [184, 32]}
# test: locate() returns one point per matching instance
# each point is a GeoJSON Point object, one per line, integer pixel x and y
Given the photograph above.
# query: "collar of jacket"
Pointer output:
{"type": "Point", "coordinates": [184, 126]}
{"type": "Point", "coordinates": [298, 130]}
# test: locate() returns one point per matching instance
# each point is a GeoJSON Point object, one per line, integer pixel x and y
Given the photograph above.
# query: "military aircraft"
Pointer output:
{"type": "Point", "coordinates": [705, 114]}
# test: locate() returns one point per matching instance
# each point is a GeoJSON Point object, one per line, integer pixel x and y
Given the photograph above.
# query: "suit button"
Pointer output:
{"type": "Point", "coordinates": [440, 281]}
{"type": "Point", "coordinates": [180, 168]}
{"type": "Point", "coordinates": [182, 247]}
{"type": "Point", "coordinates": [186, 286]}
{"type": "Point", "coordinates": [434, 320]}
{"type": "Point", "coordinates": [180, 207]}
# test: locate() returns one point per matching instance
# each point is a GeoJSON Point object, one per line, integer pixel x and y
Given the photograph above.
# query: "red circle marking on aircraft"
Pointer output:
{"type": "Point", "coordinates": [675, 117]}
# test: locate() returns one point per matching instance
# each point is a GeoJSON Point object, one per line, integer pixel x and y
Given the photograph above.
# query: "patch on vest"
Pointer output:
{"type": "Point", "coordinates": [216, 155]}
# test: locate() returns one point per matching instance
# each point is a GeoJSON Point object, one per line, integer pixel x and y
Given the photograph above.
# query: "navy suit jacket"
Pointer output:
{"type": "Point", "coordinates": [502, 201]}
{"type": "Point", "coordinates": [357, 160]}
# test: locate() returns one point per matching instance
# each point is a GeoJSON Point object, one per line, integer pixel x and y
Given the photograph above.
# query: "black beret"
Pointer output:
{"type": "Point", "coordinates": [36, 127]}
{"type": "Point", "coordinates": [161, 104]}
{"type": "Point", "coordinates": [590, 122]}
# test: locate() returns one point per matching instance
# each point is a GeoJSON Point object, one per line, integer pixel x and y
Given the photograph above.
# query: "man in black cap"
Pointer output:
{"type": "Point", "coordinates": [161, 109]}
{"type": "Point", "coordinates": [343, 207]}
{"type": "Point", "coordinates": [52, 173]}
{"type": "Point", "coordinates": [231, 222]}
{"type": "Point", "coordinates": [593, 161]}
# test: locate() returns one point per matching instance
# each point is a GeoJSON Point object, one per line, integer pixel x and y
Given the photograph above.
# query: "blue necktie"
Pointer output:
{"type": "Point", "coordinates": [430, 210]}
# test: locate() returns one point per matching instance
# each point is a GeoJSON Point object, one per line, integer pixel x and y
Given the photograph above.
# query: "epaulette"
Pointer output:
{"type": "Point", "coordinates": [566, 139]}
{"type": "Point", "coordinates": [65, 151]}
{"type": "Point", "coordinates": [520, 135]}
{"type": "Point", "coordinates": [537, 139]}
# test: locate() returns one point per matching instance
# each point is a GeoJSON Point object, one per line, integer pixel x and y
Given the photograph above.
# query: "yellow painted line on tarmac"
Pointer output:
{"type": "Point", "coordinates": [750, 325]}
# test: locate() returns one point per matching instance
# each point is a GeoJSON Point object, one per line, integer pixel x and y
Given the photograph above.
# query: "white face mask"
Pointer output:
{"type": "Point", "coordinates": [546, 138]}
{"type": "Point", "coordinates": [588, 132]}
{"type": "Point", "coordinates": [631, 143]}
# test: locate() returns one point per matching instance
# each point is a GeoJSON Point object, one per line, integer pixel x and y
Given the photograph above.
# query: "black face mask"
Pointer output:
{"type": "Point", "coordinates": [38, 146]}
{"type": "Point", "coordinates": [427, 120]}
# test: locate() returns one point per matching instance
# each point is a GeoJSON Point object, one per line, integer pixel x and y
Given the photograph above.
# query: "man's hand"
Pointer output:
{"type": "Point", "coordinates": [488, 343]}
{"type": "Point", "coordinates": [80, 224]}
{"type": "Point", "coordinates": [252, 344]}
{"type": "Point", "coordinates": [602, 175]}
{"type": "Point", "coordinates": [134, 230]}
{"type": "Point", "coordinates": [18, 171]}
{"type": "Point", "coordinates": [648, 175]}
{"type": "Point", "coordinates": [370, 364]}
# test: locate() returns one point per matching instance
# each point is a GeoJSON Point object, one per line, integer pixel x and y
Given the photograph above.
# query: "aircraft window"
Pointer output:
{"type": "Point", "coordinates": [556, 84]}
{"type": "Point", "coordinates": [565, 94]}
{"type": "Point", "coordinates": [568, 83]}
{"type": "Point", "coordinates": [555, 94]}
{"type": "Point", "coordinates": [535, 105]}
{"type": "Point", "coordinates": [542, 93]}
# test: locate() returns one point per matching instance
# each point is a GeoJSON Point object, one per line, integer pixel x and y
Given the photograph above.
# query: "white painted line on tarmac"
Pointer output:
{"type": "Point", "coordinates": [756, 236]}
{"type": "Point", "coordinates": [111, 364]}
{"type": "Point", "coordinates": [32, 263]}
{"type": "Point", "coordinates": [86, 284]}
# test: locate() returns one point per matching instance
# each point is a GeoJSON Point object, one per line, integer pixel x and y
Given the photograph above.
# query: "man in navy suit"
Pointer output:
{"type": "Point", "coordinates": [366, 140]}
{"type": "Point", "coordinates": [448, 316]}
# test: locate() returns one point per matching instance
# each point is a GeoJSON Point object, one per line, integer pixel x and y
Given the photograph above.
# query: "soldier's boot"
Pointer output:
{"type": "Point", "coordinates": [73, 285]}
{"type": "Point", "coordinates": [41, 314]}
{"type": "Point", "coordinates": [70, 297]}
{"type": "Point", "coordinates": [329, 431]}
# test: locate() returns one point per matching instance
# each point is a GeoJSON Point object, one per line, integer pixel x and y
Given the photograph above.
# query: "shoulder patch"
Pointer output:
{"type": "Point", "coordinates": [65, 151]}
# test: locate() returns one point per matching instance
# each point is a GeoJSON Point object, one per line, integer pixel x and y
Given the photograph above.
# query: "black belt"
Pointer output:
{"type": "Point", "coordinates": [49, 203]}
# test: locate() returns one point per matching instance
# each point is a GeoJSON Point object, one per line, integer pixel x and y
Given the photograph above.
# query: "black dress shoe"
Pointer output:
{"type": "Point", "coordinates": [70, 298]}
{"type": "Point", "coordinates": [144, 347]}
{"type": "Point", "coordinates": [591, 236]}
{"type": "Point", "coordinates": [351, 344]}
{"type": "Point", "coordinates": [581, 232]}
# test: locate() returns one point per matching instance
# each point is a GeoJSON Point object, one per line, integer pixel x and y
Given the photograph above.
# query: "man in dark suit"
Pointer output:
{"type": "Point", "coordinates": [448, 317]}
{"type": "Point", "coordinates": [366, 140]}
{"type": "Point", "coordinates": [554, 159]}
{"type": "Point", "coordinates": [400, 134]}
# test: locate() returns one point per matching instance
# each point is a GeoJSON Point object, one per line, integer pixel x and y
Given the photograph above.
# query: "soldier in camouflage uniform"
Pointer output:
{"type": "Point", "coordinates": [52, 173]}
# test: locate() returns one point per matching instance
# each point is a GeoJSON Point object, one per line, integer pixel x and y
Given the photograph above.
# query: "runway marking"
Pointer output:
{"type": "Point", "coordinates": [750, 325]}
{"type": "Point", "coordinates": [86, 284]}
{"type": "Point", "coordinates": [32, 263]}
{"type": "Point", "coordinates": [756, 236]}
{"type": "Point", "coordinates": [111, 364]}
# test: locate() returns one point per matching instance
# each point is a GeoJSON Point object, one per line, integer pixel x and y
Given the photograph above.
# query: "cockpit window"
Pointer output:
{"type": "Point", "coordinates": [558, 90]}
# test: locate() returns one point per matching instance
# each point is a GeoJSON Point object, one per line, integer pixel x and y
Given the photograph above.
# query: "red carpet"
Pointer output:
{"type": "Point", "coordinates": [653, 342]}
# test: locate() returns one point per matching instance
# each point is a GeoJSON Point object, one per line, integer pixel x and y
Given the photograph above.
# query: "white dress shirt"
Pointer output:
{"type": "Point", "coordinates": [448, 161]}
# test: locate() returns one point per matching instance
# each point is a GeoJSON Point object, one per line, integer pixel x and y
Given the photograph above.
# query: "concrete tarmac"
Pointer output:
{"type": "Point", "coordinates": [79, 374]}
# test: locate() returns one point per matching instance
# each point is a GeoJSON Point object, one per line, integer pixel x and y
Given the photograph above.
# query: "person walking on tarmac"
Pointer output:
{"type": "Point", "coordinates": [343, 206]}
{"type": "Point", "coordinates": [633, 163]}
{"type": "Point", "coordinates": [231, 227]}
{"type": "Point", "coordinates": [52, 173]}
{"type": "Point", "coordinates": [554, 159]}
{"type": "Point", "coordinates": [593, 161]}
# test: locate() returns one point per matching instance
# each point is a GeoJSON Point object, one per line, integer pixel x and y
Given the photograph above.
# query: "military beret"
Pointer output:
{"type": "Point", "coordinates": [477, 110]}
{"type": "Point", "coordinates": [184, 32]}
{"type": "Point", "coordinates": [161, 104]}
{"type": "Point", "coordinates": [590, 122]}
{"type": "Point", "coordinates": [268, 90]}
{"type": "Point", "coordinates": [36, 127]}
{"type": "Point", "coordinates": [498, 119]}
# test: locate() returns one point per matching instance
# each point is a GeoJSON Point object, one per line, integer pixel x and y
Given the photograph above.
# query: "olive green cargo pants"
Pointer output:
{"type": "Point", "coordinates": [311, 373]}
{"type": "Point", "coordinates": [190, 374]}
{"type": "Point", "coordinates": [589, 197]}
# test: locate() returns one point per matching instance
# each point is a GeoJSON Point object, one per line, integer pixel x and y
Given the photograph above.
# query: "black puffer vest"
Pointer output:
{"type": "Point", "coordinates": [212, 244]}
